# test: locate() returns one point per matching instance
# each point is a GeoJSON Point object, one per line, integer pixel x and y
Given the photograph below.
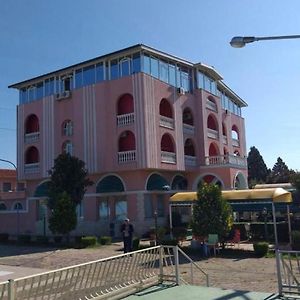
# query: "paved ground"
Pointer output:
{"type": "Point", "coordinates": [237, 270]}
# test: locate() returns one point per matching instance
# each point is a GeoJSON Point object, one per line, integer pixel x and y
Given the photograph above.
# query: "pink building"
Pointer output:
{"type": "Point", "coordinates": [146, 123]}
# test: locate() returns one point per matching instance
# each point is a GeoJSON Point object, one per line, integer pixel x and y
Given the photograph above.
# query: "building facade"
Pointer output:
{"type": "Point", "coordinates": [146, 123]}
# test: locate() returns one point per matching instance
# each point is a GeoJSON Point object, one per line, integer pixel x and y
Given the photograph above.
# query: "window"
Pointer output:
{"type": "Point", "coordinates": [172, 77]}
{"type": "Point", "coordinates": [31, 93]}
{"type": "Point", "coordinates": [68, 128]}
{"type": "Point", "coordinates": [67, 83]}
{"type": "Point", "coordinates": [40, 90]}
{"type": "Point", "coordinates": [124, 67]}
{"type": "Point", "coordinates": [146, 64]}
{"type": "Point", "coordinates": [79, 210]}
{"type": "Point", "coordinates": [154, 67]}
{"type": "Point", "coordinates": [78, 78]}
{"type": "Point", "coordinates": [99, 72]}
{"type": "Point", "coordinates": [49, 87]}
{"type": "Point", "coordinates": [3, 206]}
{"type": "Point", "coordinates": [114, 70]}
{"type": "Point", "coordinates": [148, 206]}
{"type": "Point", "coordinates": [104, 210]}
{"type": "Point", "coordinates": [18, 206]}
{"type": "Point", "coordinates": [20, 186]}
{"type": "Point", "coordinates": [163, 71]}
{"type": "Point", "coordinates": [121, 209]}
{"type": "Point", "coordinates": [6, 187]}
{"type": "Point", "coordinates": [88, 75]}
{"type": "Point", "coordinates": [23, 96]}
{"type": "Point", "coordinates": [68, 147]}
{"type": "Point", "coordinates": [136, 63]}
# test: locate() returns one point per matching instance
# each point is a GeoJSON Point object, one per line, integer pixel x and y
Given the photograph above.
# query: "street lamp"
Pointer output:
{"type": "Point", "coordinates": [241, 41]}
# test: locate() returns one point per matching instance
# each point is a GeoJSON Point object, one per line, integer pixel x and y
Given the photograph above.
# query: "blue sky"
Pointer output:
{"type": "Point", "coordinates": [37, 37]}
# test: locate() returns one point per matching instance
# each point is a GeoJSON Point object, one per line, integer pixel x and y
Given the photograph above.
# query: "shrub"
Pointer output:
{"type": "Point", "coordinates": [58, 239]}
{"type": "Point", "coordinates": [169, 242]}
{"type": "Point", "coordinates": [296, 240]}
{"type": "Point", "coordinates": [24, 238]}
{"type": "Point", "coordinates": [261, 248]}
{"type": "Point", "coordinates": [179, 233]}
{"type": "Point", "coordinates": [4, 237]}
{"type": "Point", "coordinates": [41, 239]}
{"type": "Point", "coordinates": [88, 241]}
{"type": "Point", "coordinates": [135, 244]}
{"type": "Point", "coordinates": [105, 240]}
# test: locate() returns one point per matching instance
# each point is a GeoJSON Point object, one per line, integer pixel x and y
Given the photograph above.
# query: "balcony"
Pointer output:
{"type": "Point", "coordinates": [126, 156]}
{"type": "Point", "coordinates": [168, 157]}
{"type": "Point", "coordinates": [226, 160]}
{"type": "Point", "coordinates": [188, 129]}
{"type": "Point", "coordinates": [126, 119]}
{"type": "Point", "coordinates": [166, 122]}
{"type": "Point", "coordinates": [190, 160]}
{"type": "Point", "coordinates": [213, 134]}
{"type": "Point", "coordinates": [235, 142]}
{"type": "Point", "coordinates": [31, 168]}
{"type": "Point", "coordinates": [32, 137]}
{"type": "Point", "coordinates": [211, 105]}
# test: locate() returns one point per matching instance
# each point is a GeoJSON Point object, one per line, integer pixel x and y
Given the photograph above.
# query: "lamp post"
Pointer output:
{"type": "Point", "coordinates": [155, 224]}
{"type": "Point", "coordinates": [241, 41]}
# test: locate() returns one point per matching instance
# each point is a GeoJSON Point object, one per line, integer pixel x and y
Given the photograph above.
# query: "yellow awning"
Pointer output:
{"type": "Point", "coordinates": [278, 195]}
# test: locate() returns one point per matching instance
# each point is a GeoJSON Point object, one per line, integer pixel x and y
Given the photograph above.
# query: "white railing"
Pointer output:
{"type": "Point", "coordinates": [288, 271]}
{"type": "Point", "coordinates": [114, 277]}
{"type": "Point", "coordinates": [225, 139]}
{"type": "Point", "coordinates": [166, 122]}
{"type": "Point", "coordinates": [168, 157]}
{"type": "Point", "coordinates": [126, 156]}
{"type": "Point", "coordinates": [226, 160]}
{"type": "Point", "coordinates": [190, 160]}
{"type": "Point", "coordinates": [31, 168]}
{"type": "Point", "coordinates": [211, 105]}
{"type": "Point", "coordinates": [31, 137]}
{"type": "Point", "coordinates": [188, 129]}
{"type": "Point", "coordinates": [235, 142]}
{"type": "Point", "coordinates": [211, 133]}
{"type": "Point", "coordinates": [125, 119]}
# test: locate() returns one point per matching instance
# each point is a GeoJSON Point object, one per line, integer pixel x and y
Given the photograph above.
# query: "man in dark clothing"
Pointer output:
{"type": "Point", "coordinates": [127, 231]}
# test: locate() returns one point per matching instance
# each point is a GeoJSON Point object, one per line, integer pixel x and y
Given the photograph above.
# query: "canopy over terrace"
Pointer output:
{"type": "Point", "coordinates": [248, 199]}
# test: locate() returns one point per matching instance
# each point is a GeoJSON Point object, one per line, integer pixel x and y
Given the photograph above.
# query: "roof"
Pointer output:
{"type": "Point", "coordinates": [8, 173]}
{"type": "Point", "coordinates": [276, 195]}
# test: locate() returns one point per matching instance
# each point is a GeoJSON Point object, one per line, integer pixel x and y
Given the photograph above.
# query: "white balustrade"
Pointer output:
{"type": "Point", "coordinates": [211, 105]}
{"type": "Point", "coordinates": [227, 159]}
{"type": "Point", "coordinates": [125, 119]}
{"type": "Point", "coordinates": [168, 157]}
{"type": "Point", "coordinates": [211, 133]}
{"type": "Point", "coordinates": [166, 122]}
{"type": "Point", "coordinates": [235, 142]}
{"type": "Point", "coordinates": [190, 160]}
{"type": "Point", "coordinates": [188, 129]}
{"type": "Point", "coordinates": [31, 168]}
{"type": "Point", "coordinates": [126, 156]}
{"type": "Point", "coordinates": [31, 137]}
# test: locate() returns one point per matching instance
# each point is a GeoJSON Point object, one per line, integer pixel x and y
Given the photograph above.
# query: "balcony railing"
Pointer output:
{"type": "Point", "coordinates": [190, 160]}
{"type": "Point", "coordinates": [235, 142]}
{"type": "Point", "coordinates": [221, 160]}
{"type": "Point", "coordinates": [126, 156]}
{"type": "Point", "coordinates": [31, 168]}
{"type": "Point", "coordinates": [213, 134]}
{"type": "Point", "coordinates": [225, 139]}
{"type": "Point", "coordinates": [168, 157]}
{"type": "Point", "coordinates": [31, 137]}
{"type": "Point", "coordinates": [125, 119]}
{"type": "Point", "coordinates": [188, 129]}
{"type": "Point", "coordinates": [166, 122]}
{"type": "Point", "coordinates": [211, 105]}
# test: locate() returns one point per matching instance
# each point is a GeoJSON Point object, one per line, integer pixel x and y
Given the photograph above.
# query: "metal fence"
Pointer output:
{"type": "Point", "coordinates": [288, 270]}
{"type": "Point", "coordinates": [114, 277]}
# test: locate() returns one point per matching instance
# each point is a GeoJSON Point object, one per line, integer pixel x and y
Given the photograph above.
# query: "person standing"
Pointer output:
{"type": "Point", "coordinates": [127, 231]}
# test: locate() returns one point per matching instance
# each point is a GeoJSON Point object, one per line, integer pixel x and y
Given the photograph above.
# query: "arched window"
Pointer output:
{"type": "Point", "coordinates": [157, 182]}
{"type": "Point", "coordinates": [189, 148]}
{"type": "Point", "coordinates": [235, 132]}
{"type": "Point", "coordinates": [165, 109]}
{"type": "Point", "coordinates": [187, 117]}
{"type": "Point", "coordinates": [32, 124]}
{"type": "Point", "coordinates": [212, 123]}
{"type": "Point", "coordinates": [126, 141]}
{"type": "Point", "coordinates": [167, 144]}
{"type": "Point", "coordinates": [67, 128]}
{"type": "Point", "coordinates": [3, 206]}
{"type": "Point", "coordinates": [110, 184]}
{"type": "Point", "coordinates": [213, 150]}
{"type": "Point", "coordinates": [67, 147]}
{"type": "Point", "coordinates": [32, 155]}
{"type": "Point", "coordinates": [179, 183]}
{"type": "Point", "coordinates": [125, 104]}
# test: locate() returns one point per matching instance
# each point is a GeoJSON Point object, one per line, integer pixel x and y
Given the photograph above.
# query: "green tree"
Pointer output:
{"type": "Point", "coordinates": [63, 218]}
{"type": "Point", "coordinates": [257, 169]}
{"type": "Point", "coordinates": [211, 213]}
{"type": "Point", "coordinates": [280, 172]}
{"type": "Point", "coordinates": [68, 175]}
